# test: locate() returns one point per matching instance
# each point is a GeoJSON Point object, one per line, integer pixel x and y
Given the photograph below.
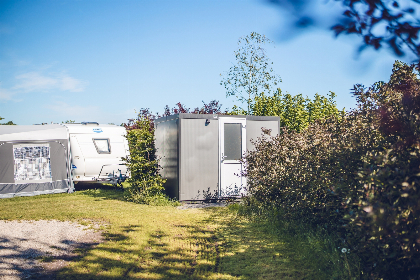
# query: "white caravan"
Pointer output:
{"type": "Point", "coordinates": [97, 151]}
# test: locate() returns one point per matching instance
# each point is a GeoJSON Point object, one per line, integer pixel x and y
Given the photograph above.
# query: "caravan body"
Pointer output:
{"type": "Point", "coordinates": [97, 152]}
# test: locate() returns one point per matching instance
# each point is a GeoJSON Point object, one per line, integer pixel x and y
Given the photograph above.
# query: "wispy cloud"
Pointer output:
{"type": "Point", "coordinates": [5, 94]}
{"type": "Point", "coordinates": [68, 83]}
{"type": "Point", "coordinates": [35, 81]}
{"type": "Point", "coordinates": [74, 111]}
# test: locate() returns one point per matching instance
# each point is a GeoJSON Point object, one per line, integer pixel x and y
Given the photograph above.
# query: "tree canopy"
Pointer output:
{"type": "Point", "coordinates": [252, 73]}
{"type": "Point", "coordinates": [296, 112]}
{"type": "Point", "coordinates": [7, 123]}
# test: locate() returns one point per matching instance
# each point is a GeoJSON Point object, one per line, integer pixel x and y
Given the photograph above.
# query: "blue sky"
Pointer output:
{"type": "Point", "coordinates": [103, 60]}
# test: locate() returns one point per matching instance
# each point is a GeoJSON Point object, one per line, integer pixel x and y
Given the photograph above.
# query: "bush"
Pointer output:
{"type": "Point", "coordinates": [146, 183]}
{"type": "Point", "coordinates": [150, 193]}
{"type": "Point", "coordinates": [356, 176]}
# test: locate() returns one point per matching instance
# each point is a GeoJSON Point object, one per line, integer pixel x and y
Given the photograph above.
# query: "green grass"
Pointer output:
{"type": "Point", "coordinates": [163, 242]}
{"type": "Point", "coordinates": [315, 247]}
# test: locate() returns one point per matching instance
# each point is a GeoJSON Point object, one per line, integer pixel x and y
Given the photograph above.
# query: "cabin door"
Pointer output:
{"type": "Point", "coordinates": [232, 143]}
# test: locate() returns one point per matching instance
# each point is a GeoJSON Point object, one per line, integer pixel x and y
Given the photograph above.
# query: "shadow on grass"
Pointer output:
{"type": "Point", "coordinates": [14, 259]}
{"type": "Point", "coordinates": [19, 262]}
{"type": "Point", "coordinates": [158, 259]}
{"type": "Point", "coordinates": [247, 251]}
{"type": "Point", "coordinates": [220, 247]}
{"type": "Point", "coordinates": [100, 191]}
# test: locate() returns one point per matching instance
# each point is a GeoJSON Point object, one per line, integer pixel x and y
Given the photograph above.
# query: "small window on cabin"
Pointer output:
{"type": "Point", "coordinates": [233, 141]}
{"type": "Point", "coordinates": [102, 146]}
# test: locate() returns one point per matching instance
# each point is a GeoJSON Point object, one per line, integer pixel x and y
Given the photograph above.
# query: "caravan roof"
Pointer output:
{"type": "Point", "coordinates": [92, 127]}
{"type": "Point", "coordinates": [32, 132]}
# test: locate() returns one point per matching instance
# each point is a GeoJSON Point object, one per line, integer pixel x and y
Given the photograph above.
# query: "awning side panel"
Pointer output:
{"type": "Point", "coordinates": [59, 164]}
{"type": "Point", "coordinates": [6, 163]}
{"type": "Point", "coordinates": [31, 189]}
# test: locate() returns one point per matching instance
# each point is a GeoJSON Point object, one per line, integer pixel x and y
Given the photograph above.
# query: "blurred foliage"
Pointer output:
{"type": "Point", "coordinates": [356, 176]}
{"type": "Point", "coordinates": [7, 123]}
{"type": "Point", "coordinates": [394, 24]}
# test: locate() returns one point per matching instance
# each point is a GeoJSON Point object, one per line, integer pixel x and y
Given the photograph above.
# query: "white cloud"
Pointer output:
{"type": "Point", "coordinates": [68, 83]}
{"type": "Point", "coordinates": [35, 81]}
{"type": "Point", "coordinates": [5, 94]}
{"type": "Point", "coordinates": [75, 112]}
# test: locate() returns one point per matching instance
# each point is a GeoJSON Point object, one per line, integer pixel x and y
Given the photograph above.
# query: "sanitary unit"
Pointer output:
{"type": "Point", "coordinates": [200, 154]}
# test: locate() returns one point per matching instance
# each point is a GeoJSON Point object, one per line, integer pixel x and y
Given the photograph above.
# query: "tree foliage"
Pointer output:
{"type": "Point", "coordinates": [391, 23]}
{"type": "Point", "coordinates": [252, 81]}
{"type": "Point", "coordinates": [213, 107]}
{"type": "Point", "coordinates": [7, 123]}
{"type": "Point", "coordinates": [146, 183]}
{"type": "Point", "coordinates": [365, 17]}
{"type": "Point", "coordinates": [296, 112]}
{"type": "Point", "coordinates": [252, 74]}
{"type": "Point", "coordinates": [358, 176]}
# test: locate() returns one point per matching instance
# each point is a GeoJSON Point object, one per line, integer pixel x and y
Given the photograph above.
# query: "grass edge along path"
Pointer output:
{"type": "Point", "coordinates": [152, 242]}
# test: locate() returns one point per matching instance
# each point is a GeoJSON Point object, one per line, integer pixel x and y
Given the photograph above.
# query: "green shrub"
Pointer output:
{"type": "Point", "coordinates": [146, 183]}
{"type": "Point", "coordinates": [356, 176]}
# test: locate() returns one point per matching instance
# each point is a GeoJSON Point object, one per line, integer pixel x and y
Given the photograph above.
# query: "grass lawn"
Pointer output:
{"type": "Point", "coordinates": [163, 242]}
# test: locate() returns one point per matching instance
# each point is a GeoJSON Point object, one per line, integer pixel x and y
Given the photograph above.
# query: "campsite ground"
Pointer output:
{"type": "Point", "coordinates": [162, 242]}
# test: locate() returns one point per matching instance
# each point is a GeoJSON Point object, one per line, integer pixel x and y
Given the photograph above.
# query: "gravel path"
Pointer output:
{"type": "Point", "coordinates": [37, 249]}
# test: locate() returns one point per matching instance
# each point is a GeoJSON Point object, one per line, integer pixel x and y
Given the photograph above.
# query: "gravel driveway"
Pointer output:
{"type": "Point", "coordinates": [37, 249]}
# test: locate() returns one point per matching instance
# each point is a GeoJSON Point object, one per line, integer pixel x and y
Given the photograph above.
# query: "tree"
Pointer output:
{"type": "Point", "coordinates": [143, 163]}
{"type": "Point", "coordinates": [213, 107]}
{"type": "Point", "coordinates": [252, 74]}
{"type": "Point", "coordinates": [366, 18]}
{"type": "Point", "coordinates": [296, 112]}
{"type": "Point", "coordinates": [7, 123]}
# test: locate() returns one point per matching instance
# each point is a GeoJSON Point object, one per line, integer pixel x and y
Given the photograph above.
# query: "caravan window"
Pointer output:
{"type": "Point", "coordinates": [102, 146]}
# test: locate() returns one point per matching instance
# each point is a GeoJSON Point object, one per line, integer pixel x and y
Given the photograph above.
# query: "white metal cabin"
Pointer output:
{"type": "Point", "coordinates": [200, 155]}
{"type": "Point", "coordinates": [97, 151]}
